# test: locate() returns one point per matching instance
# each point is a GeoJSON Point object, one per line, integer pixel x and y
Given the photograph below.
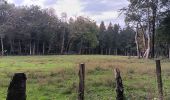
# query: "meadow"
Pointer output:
{"type": "Point", "coordinates": [56, 77]}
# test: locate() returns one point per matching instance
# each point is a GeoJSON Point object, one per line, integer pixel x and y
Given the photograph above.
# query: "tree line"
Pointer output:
{"type": "Point", "coordinates": [31, 30]}
{"type": "Point", "coordinates": [35, 31]}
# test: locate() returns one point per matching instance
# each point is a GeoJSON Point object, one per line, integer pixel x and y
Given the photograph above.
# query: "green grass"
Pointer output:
{"type": "Point", "coordinates": [56, 77]}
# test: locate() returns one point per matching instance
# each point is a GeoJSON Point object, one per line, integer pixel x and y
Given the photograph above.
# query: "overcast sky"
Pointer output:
{"type": "Point", "coordinates": [98, 10]}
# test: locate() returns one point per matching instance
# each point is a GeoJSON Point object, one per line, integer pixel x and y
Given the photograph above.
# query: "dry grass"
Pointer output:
{"type": "Point", "coordinates": [56, 77]}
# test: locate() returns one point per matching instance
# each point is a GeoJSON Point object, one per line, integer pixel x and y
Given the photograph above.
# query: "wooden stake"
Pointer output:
{"type": "Point", "coordinates": [159, 79]}
{"type": "Point", "coordinates": [119, 85]}
{"type": "Point", "coordinates": [81, 82]}
{"type": "Point", "coordinates": [17, 87]}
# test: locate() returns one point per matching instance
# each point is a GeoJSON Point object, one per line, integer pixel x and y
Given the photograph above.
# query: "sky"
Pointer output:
{"type": "Point", "coordinates": [98, 10]}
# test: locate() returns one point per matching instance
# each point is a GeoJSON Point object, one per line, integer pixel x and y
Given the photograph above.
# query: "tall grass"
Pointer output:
{"type": "Point", "coordinates": [56, 77]}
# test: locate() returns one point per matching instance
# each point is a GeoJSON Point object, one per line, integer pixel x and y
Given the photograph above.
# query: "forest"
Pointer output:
{"type": "Point", "coordinates": [31, 30]}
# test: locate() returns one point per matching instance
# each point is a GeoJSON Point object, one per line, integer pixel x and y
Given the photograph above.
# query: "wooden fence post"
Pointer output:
{"type": "Point", "coordinates": [119, 85]}
{"type": "Point", "coordinates": [81, 81]}
{"type": "Point", "coordinates": [159, 79]}
{"type": "Point", "coordinates": [17, 87]}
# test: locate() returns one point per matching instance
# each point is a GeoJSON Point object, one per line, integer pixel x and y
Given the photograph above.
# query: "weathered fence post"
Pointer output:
{"type": "Point", "coordinates": [17, 87]}
{"type": "Point", "coordinates": [119, 85]}
{"type": "Point", "coordinates": [81, 82]}
{"type": "Point", "coordinates": [159, 79]}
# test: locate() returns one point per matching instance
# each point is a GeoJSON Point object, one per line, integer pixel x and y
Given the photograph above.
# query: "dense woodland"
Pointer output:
{"type": "Point", "coordinates": [32, 30]}
{"type": "Point", "coordinates": [35, 31]}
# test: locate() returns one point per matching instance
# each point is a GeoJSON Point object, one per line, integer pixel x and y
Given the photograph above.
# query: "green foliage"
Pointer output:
{"type": "Point", "coordinates": [33, 30]}
{"type": "Point", "coordinates": [127, 38]}
{"type": "Point", "coordinates": [101, 36]}
{"type": "Point", "coordinates": [163, 33]}
{"type": "Point", "coordinates": [86, 31]}
{"type": "Point", "coordinates": [115, 38]}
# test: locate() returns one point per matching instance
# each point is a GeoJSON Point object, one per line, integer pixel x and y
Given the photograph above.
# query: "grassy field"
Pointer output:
{"type": "Point", "coordinates": [56, 77]}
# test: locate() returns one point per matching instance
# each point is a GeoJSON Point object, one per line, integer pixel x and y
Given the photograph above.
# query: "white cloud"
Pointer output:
{"type": "Point", "coordinates": [33, 2]}
{"type": "Point", "coordinates": [71, 7]}
{"type": "Point", "coordinates": [10, 1]}
{"type": "Point", "coordinates": [105, 15]}
{"type": "Point", "coordinates": [74, 8]}
{"type": "Point", "coordinates": [108, 17]}
{"type": "Point", "coordinates": [27, 2]}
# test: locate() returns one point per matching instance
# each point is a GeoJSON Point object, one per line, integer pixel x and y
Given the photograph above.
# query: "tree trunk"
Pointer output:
{"type": "Point", "coordinates": [80, 50]}
{"type": "Point", "coordinates": [116, 51]}
{"type": "Point", "coordinates": [125, 52]}
{"type": "Point", "coordinates": [25, 49]}
{"type": "Point", "coordinates": [20, 47]}
{"type": "Point", "coordinates": [153, 30]}
{"type": "Point", "coordinates": [130, 52]}
{"type": "Point", "coordinates": [49, 48]}
{"type": "Point", "coordinates": [89, 51]}
{"type": "Point", "coordinates": [43, 48]}
{"type": "Point", "coordinates": [92, 51]}
{"type": "Point", "coordinates": [147, 52]}
{"type": "Point", "coordinates": [101, 51]}
{"type": "Point", "coordinates": [169, 52]}
{"type": "Point", "coordinates": [33, 49]}
{"type": "Point", "coordinates": [105, 51]}
{"type": "Point", "coordinates": [68, 45]}
{"type": "Point", "coordinates": [137, 44]}
{"type": "Point", "coordinates": [2, 47]}
{"type": "Point", "coordinates": [144, 37]}
{"type": "Point", "coordinates": [109, 51]}
{"type": "Point", "coordinates": [38, 47]}
{"type": "Point", "coordinates": [62, 43]}
{"type": "Point", "coordinates": [30, 48]}
{"type": "Point", "coordinates": [11, 47]}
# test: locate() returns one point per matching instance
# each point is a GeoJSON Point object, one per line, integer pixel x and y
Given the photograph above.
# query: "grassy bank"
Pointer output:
{"type": "Point", "coordinates": [56, 77]}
